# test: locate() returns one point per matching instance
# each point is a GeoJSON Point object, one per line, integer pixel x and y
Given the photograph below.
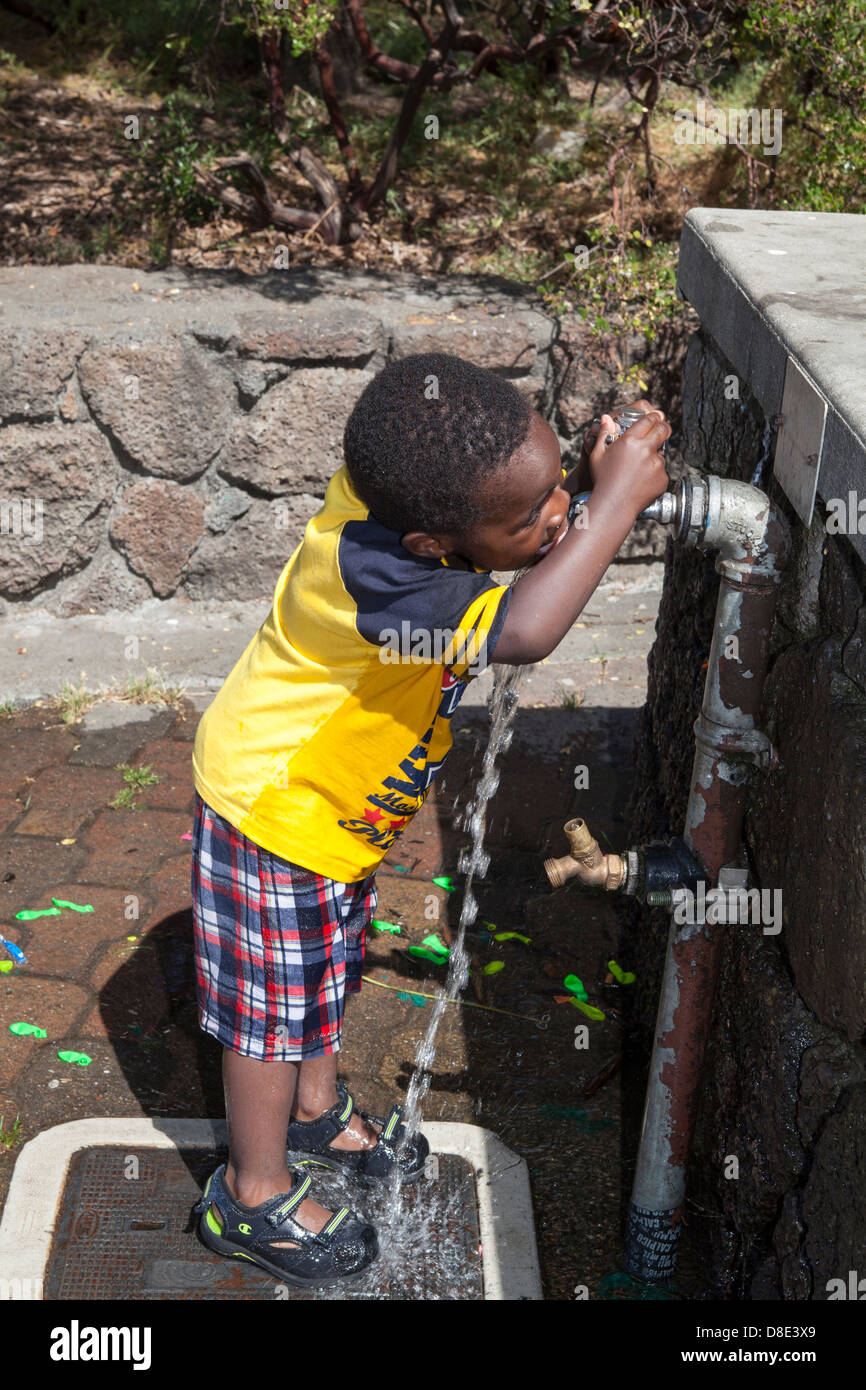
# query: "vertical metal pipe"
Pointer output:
{"type": "Point", "coordinates": [752, 540]}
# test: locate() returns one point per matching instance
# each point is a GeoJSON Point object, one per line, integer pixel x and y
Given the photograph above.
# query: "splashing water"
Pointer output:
{"type": "Point", "coordinates": [474, 863]}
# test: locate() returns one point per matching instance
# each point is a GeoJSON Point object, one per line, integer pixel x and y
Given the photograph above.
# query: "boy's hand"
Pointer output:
{"type": "Point", "coordinates": [592, 434]}
{"type": "Point", "coordinates": [632, 466]}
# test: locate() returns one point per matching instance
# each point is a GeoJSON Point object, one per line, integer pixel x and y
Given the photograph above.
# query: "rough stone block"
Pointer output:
{"type": "Point", "coordinates": [505, 342]}
{"type": "Point", "coordinates": [165, 402]}
{"type": "Point", "coordinates": [291, 441]}
{"type": "Point", "coordinates": [749, 1098]}
{"type": "Point", "coordinates": [246, 561]}
{"type": "Point", "coordinates": [106, 582]}
{"type": "Point", "coordinates": [585, 393]}
{"type": "Point", "coordinates": [321, 330]}
{"type": "Point", "coordinates": [157, 526]}
{"type": "Point", "coordinates": [58, 481]}
{"type": "Point", "coordinates": [35, 364]}
{"type": "Point", "coordinates": [842, 587]}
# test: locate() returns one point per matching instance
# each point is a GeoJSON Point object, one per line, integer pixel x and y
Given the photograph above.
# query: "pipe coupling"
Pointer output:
{"type": "Point", "coordinates": [736, 743]}
{"type": "Point", "coordinates": [738, 520]}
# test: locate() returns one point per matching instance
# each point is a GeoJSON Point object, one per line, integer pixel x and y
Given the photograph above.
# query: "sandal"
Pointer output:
{"type": "Point", "coordinates": [343, 1249]}
{"type": "Point", "coordinates": [309, 1144]}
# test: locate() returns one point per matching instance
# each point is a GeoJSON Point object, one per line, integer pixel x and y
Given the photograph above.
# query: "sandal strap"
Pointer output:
{"type": "Point", "coordinates": [281, 1215]}
{"type": "Point", "coordinates": [316, 1134]}
{"type": "Point", "coordinates": [386, 1148]}
{"type": "Point", "coordinates": [391, 1125]}
{"type": "Point", "coordinates": [278, 1215]}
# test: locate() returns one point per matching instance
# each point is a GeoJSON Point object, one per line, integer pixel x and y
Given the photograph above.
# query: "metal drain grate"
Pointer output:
{"type": "Point", "coordinates": [124, 1232]}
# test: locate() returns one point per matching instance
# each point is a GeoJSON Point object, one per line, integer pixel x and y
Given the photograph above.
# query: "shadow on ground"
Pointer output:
{"type": "Point", "coordinates": [118, 983]}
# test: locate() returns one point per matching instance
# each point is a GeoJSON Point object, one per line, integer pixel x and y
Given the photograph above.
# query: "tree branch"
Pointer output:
{"type": "Point", "coordinates": [329, 92]}
{"type": "Point", "coordinates": [429, 69]}
{"type": "Point", "coordinates": [260, 207]}
{"type": "Point", "coordinates": [306, 163]}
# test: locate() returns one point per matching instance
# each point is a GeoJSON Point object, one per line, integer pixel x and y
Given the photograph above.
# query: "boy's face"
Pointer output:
{"type": "Point", "coordinates": [525, 507]}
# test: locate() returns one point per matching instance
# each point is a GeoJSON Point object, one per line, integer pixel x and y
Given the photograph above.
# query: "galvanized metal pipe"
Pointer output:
{"type": "Point", "coordinates": [752, 539]}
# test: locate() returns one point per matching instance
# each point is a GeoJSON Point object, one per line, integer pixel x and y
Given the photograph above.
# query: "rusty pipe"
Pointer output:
{"type": "Point", "coordinates": [586, 861]}
{"type": "Point", "coordinates": [752, 539]}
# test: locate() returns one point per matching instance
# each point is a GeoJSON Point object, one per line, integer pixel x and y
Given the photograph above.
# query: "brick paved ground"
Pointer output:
{"type": "Point", "coordinates": [118, 985]}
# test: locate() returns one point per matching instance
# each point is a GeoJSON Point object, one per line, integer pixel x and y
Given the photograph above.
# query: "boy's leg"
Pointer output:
{"type": "Point", "coordinates": [317, 1076]}
{"type": "Point", "coordinates": [259, 1098]}
{"type": "Point", "coordinates": [317, 1092]}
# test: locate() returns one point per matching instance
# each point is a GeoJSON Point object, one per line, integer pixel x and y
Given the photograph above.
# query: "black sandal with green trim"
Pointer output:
{"type": "Point", "coordinates": [309, 1144]}
{"type": "Point", "coordinates": [344, 1248]}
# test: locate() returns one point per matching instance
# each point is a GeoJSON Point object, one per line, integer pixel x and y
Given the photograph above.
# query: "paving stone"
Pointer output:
{"type": "Point", "coordinates": [23, 754]}
{"type": "Point", "coordinates": [131, 984]}
{"type": "Point", "coordinates": [58, 1092]}
{"type": "Point", "coordinates": [62, 799]}
{"type": "Point", "coordinates": [24, 999]}
{"type": "Point", "coordinates": [170, 885]}
{"type": "Point", "coordinates": [188, 713]}
{"type": "Point", "coordinates": [125, 846]}
{"type": "Point", "coordinates": [63, 946]}
{"type": "Point", "coordinates": [171, 761]}
{"type": "Point", "coordinates": [36, 866]}
{"type": "Point", "coordinates": [112, 732]}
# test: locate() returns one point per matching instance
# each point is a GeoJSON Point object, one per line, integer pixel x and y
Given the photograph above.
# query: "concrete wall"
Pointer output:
{"type": "Point", "coordinates": [174, 432]}
{"type": "Point", "coordinates": [785, 1082]}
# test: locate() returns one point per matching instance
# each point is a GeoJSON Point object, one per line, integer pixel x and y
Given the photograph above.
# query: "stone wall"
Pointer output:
{"type": "Point", "coordinates": [785, 1080]}
{"type": "Point", "coordinates": [176, 431]}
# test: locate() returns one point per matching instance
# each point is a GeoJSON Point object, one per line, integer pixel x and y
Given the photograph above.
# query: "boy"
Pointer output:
{"type": "Point", "coordinates": [325, 738]}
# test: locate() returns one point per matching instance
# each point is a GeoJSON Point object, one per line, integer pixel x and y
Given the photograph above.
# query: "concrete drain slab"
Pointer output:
{"type": "Point", "coordinates": [101, 1209]}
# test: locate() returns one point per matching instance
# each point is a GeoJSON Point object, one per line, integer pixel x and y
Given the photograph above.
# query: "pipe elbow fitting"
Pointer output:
{"type": "Point", "coordinates": [752, 536]}
{"type": "Point", "coordinates": [586, 861]}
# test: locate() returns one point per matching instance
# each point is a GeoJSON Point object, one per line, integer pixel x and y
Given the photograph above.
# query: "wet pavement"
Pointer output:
{"type": "Point", "coordinates": [117, 984]}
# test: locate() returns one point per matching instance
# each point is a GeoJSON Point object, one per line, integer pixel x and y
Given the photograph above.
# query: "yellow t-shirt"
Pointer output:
{"type": "Point", "coordinates": [325, 738]}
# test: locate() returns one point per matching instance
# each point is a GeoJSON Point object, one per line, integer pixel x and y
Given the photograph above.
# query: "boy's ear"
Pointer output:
{"type": "Point", "coordinates": [426, 547]}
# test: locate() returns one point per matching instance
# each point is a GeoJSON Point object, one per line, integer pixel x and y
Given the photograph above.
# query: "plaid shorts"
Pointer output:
{"type": "Point", "coordinates": [276, 946]}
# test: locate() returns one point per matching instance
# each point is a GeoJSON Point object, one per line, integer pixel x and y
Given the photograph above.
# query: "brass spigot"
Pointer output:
{"type": "Point", "coordinates": [585, 861]}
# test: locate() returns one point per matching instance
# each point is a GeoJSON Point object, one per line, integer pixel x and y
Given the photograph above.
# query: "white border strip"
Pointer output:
{"type": "Point", "coordinates": [508, 1251]}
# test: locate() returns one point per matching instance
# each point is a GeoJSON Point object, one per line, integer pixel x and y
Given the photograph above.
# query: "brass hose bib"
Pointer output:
{"type": "Point", "coordinates": [586, 861]}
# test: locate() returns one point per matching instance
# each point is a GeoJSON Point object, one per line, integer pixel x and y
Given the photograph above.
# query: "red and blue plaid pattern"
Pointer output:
{"type": "Point", "coordinates": [277, 947]}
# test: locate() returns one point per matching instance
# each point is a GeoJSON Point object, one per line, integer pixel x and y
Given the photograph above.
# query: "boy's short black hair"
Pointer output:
{"type": "Point", "coordinates": [427, 431]}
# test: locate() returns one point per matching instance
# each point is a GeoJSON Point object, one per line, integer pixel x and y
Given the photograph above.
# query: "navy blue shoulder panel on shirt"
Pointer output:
{"type": "Point", "coordinates": [389, 586]}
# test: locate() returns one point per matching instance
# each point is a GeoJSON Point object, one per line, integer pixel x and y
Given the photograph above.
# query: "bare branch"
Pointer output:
{"type": "Point", "coordinates": [418, 18]}
{"type": "Point", "coordinates": [394, 66]}
{"type": "Point", "coordinates": [329, 92]}
{"type": "Point", "coordinates": [261, 207]}
{"type": "Point", "coordinates": [424, 78]}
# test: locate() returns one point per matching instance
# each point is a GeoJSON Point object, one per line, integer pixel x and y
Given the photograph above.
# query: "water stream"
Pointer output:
{"type": "Point", "coordinates": [474, 863]}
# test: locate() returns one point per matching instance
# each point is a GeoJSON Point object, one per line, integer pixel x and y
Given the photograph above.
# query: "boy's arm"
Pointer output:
{"type": "Point", "coordinates": [628, 475]}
